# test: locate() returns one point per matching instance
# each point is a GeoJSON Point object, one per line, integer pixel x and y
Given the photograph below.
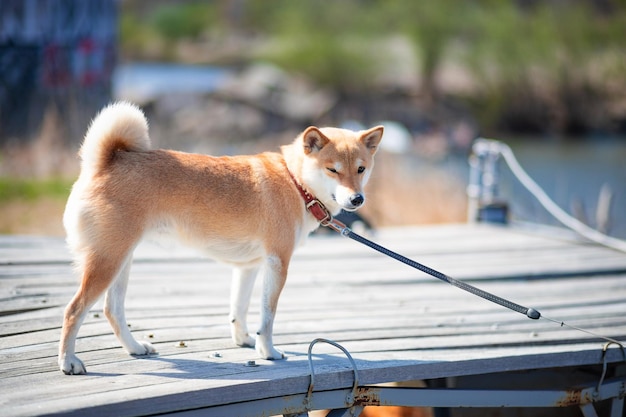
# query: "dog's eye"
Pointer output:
{"type": "Point", "coordinates": [333, 170]}
{"type": "Point", "coordinates": [361, 170]}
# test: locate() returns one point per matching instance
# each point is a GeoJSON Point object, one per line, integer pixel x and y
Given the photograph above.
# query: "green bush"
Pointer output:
{"type": "Point", "coordinates": [533, 57]}
{"type": "Point", "coordinates": [175, 22]}
{"type": "Point", "coordinates": [32, 189]}
{"type": "Point", "coordinates": [328, 42]}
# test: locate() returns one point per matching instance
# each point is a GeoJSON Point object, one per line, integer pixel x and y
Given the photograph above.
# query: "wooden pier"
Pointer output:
{"type": "Point", "coordinates": [397, 323]}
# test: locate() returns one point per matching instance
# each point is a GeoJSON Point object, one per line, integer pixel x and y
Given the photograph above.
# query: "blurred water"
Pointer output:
{"type": "Point", "coordinates": [569, 171]}
{"type": "Point", "coordinates": [142, 82]}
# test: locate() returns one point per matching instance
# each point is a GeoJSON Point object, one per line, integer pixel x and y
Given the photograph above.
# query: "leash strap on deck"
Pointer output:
{"type": "Point", "coordinates": [323, 216]}
{"type": "Point", "coordinates": [531, 313]}
{"type": "Point", "coordinates": [609, 340]}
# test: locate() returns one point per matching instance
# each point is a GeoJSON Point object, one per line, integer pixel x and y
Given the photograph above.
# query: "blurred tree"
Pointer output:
{"type": "Point", "coordinates": [331, 44]}
{"type": "Point", "coordinates": [532, 65]}
{"type": "Point", "coordinates": [184, 21]}
{"type": "Point", "coordinates": [431, 27]}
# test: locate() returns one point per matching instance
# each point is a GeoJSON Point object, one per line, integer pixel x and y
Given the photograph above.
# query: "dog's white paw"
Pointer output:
{"type": "Point", "coordinates": [244, 340]}
{"type": "Point", "coordinates": [270, 353]}
{"type": "Point", "coordinates": [240, 335]}
{"type": "Point", "coordinates": [71, 365]}
{"type": "Point", "coordinates": [142, 349]}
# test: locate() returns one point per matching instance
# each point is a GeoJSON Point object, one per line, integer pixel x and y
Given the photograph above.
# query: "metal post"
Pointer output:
{"type": "Point", "coordinates": [473, 188]}
{"type": "Point", "coordinates": [484, 204]}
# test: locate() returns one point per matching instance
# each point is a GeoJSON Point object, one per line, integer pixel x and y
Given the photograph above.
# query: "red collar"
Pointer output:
{"type": "Point", "coordinates": [313, 205]}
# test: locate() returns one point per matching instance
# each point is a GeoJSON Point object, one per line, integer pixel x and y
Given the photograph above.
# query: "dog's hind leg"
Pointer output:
{"type": "Point", "coordinates": [75, 313]}
{"type": "Point", "coordinates": [241, 290]}
{"type": "Point", "coordinates": [98, 272]}
{"type": "Point", "coordinates": [114, 311]}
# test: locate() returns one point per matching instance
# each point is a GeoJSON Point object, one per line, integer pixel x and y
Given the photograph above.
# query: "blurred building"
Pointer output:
{"type": "Point", "coordinates": [55, 56]}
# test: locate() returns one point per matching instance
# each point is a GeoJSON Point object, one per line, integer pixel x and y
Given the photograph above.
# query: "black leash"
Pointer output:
{"type": "Point", "coordinates": [319, 211]}
{"type": "Point", "coordinates": [531, 313]}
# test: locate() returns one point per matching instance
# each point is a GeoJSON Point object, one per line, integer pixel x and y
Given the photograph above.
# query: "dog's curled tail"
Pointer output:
{"type": "Point", "coordinates": [120, 126]}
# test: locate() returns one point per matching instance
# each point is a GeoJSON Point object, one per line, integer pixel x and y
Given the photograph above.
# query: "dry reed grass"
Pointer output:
{"type": "Point", "coordinates": [405, 193]}
{"type": "Point", "coordinates": [46, 156]}
{"type": "Point", "coordinates": [39, 217]}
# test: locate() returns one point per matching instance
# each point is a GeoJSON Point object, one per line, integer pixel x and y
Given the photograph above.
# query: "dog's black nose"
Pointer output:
{"type": "Point", "coordinates": [357, 199]}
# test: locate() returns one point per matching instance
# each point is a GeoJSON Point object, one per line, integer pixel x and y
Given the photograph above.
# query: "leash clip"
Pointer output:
{"type": "Point", "coordinates": [338, 227]}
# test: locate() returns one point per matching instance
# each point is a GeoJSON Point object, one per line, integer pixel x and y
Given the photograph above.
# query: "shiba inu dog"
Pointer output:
{"type": "Point", "coordinates": [247, 211]}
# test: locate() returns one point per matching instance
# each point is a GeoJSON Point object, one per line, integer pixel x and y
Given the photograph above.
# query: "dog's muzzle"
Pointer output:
{"type": "Point", "coordinates": [356, 200]}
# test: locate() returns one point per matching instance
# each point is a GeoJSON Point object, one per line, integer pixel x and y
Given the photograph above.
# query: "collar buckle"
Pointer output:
{"type": "Point", "coordinates": [319, 211]}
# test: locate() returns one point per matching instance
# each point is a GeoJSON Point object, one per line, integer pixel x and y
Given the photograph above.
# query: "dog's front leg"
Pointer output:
{"type": "Point", "coordinates": [241, 290]}
{"type": "Point", "coordinates": [274, 277]}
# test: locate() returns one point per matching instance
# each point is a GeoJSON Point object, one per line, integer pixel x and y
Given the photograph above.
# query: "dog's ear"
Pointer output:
{"type": "Point", "coordinates": [313, 140]}
{"type": "Point", "coordinates": [372, 137]}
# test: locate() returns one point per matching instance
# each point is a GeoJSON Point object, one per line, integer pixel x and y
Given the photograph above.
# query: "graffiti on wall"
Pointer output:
{"type": "Point", "coordinates": [54, 52]}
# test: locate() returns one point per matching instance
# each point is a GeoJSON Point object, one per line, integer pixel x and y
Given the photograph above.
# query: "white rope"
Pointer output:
{"type": "Point", "coordinates": [552, 207]}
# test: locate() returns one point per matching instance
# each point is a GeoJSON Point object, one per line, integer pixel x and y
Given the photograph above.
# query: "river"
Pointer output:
{"type": "Point", "coordinates": [570, 172]}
